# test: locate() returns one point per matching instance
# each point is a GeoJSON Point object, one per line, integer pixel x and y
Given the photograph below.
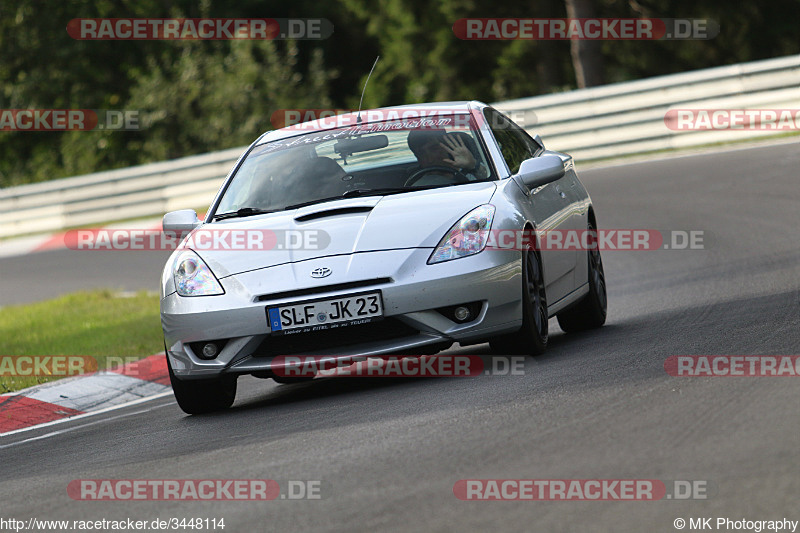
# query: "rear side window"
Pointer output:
{"type": "Point", "coordinates": [515, 145]}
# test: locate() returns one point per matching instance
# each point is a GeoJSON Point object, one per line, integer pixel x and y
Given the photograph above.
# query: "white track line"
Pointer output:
{"type": "Point", "coordinates": [86, 415]}
{"type": "Point", "coordinates": [62, 431]}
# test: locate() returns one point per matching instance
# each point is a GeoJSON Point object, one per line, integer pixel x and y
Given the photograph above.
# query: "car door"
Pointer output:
{"type": "Point", "coordinates": [547, 206]}
{"type": "Point", "coordinates": [573, 210]}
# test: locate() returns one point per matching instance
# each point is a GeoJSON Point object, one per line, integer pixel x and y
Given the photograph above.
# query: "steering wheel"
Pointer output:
{"type": "Point", "coordinates": [415, 177]}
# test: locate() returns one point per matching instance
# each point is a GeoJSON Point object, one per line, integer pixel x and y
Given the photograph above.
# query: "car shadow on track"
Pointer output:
{"type": "Point", "coordinates": [628, 350]}
{"type": "Point", "coordinates": [363, 388]}
{"type": "Point", "coordinates": [265, 412]}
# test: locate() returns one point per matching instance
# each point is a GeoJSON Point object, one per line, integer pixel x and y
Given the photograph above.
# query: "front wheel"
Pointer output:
{"type": "Point", "coordinates": [201, 396]}
{"type": "Point", "coordinates": [590, 311]}
{"type": "Point", "coordinates": [531, 339]}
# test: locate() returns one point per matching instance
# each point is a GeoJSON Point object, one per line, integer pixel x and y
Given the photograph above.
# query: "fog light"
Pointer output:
{"type": "Point", "coordinates": [210, 350]}
{"type": "Point", "coordinates": [461, 313]}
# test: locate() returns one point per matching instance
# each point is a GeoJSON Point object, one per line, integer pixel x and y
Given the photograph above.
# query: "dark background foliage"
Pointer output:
{"type": "Point", "coordinates": [198, 96]}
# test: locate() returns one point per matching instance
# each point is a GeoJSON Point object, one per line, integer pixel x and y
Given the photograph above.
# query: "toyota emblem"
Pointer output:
{"type": "Point", "coordinates": [321, 272]}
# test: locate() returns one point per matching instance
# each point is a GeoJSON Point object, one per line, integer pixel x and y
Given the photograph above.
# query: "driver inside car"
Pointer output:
{"type": "Point", "coordinates": [299, 172]}
{"type": "Point", "coordinates": [437, 148]}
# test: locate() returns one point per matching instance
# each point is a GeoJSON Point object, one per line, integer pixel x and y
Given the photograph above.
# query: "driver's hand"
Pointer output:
{"type": "Point", "coordinates": [460, 156]}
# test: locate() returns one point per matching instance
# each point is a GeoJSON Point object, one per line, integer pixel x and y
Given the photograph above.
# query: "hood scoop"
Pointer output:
{"type": "Point", "coordinates": [336, 211]}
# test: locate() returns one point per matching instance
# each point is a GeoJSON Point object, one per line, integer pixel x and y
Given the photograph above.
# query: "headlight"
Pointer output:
{"type": "Point", "coordinates": [467, 237]}
{"type": "Point", "coordinates": [193, 277]}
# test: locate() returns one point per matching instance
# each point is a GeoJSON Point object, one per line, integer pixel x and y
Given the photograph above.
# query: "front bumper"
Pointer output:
{"type": "Point", "coordinates": [410, 288]}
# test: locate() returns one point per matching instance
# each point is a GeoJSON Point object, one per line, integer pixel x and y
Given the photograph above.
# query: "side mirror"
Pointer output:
{"type": "Point", "coordinates": [181, 221]}
{"type": "Point", "coordinates": [538, 171]}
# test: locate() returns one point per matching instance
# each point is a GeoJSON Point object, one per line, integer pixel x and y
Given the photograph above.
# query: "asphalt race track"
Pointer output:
{"type": "Point", "coordinates": [599, 405]}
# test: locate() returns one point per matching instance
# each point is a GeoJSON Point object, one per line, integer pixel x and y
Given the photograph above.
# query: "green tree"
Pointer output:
{"type": "Point", "coordinates": [200, 96]}
{"type": "Point", "coordinates": [210, 100]}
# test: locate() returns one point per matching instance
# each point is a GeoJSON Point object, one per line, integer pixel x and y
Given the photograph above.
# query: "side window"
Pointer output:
{"type": "Point", "coordinates": [534, 147]}
{"type": "Point", "coordinates": [515, 145]}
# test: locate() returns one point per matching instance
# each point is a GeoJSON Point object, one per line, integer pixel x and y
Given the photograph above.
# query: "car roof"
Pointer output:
{"type": "Point", "coordinates": [369, 116]}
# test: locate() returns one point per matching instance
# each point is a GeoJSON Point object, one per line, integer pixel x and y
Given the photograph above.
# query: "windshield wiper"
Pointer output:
{"type": "Point", "coordinates": [377, 192]}
{"type": "Point", "coordinates": [243, 212]}
{"type": "Point", "coordinates": [354, 193]}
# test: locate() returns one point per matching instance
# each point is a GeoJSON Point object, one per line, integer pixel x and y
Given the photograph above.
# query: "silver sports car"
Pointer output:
{"type": "Point", "coordinates": [391, 231]}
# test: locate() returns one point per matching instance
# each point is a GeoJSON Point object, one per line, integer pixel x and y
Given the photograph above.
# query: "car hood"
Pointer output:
{"type": "Point", "coordinates": [409, 220]}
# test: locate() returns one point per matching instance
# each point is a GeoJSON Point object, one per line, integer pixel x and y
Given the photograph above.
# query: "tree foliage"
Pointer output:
{"type": "Point", "coordinates": [198, 96]}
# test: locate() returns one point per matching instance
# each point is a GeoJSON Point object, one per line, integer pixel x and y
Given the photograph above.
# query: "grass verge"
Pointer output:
{"type": "Point", "coordinates": [99, 324]}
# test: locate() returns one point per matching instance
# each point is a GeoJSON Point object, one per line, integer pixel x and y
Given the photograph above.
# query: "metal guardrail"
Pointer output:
{"type": "Point", "coordinates": [608, 121]}
{"type": "Point", "coordinates": [628, 118]}
{"type": "Point", "coordinates": [132, 192]}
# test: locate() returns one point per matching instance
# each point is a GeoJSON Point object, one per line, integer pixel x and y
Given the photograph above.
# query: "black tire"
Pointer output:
{"type": "Point", "coordinates": [590, 311]}
{"type": "Point", "coordinates": [201, 396]}
{"type": "Point", "coordinates": [531, 339]}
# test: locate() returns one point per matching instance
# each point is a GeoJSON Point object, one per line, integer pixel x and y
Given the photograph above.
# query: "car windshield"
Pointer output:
{"type": "Point", "coordinates": [380, 158]}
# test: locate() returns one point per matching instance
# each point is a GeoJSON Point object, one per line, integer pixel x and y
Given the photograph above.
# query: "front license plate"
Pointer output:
{"type": "Point", "coordinates": [325, 314]}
